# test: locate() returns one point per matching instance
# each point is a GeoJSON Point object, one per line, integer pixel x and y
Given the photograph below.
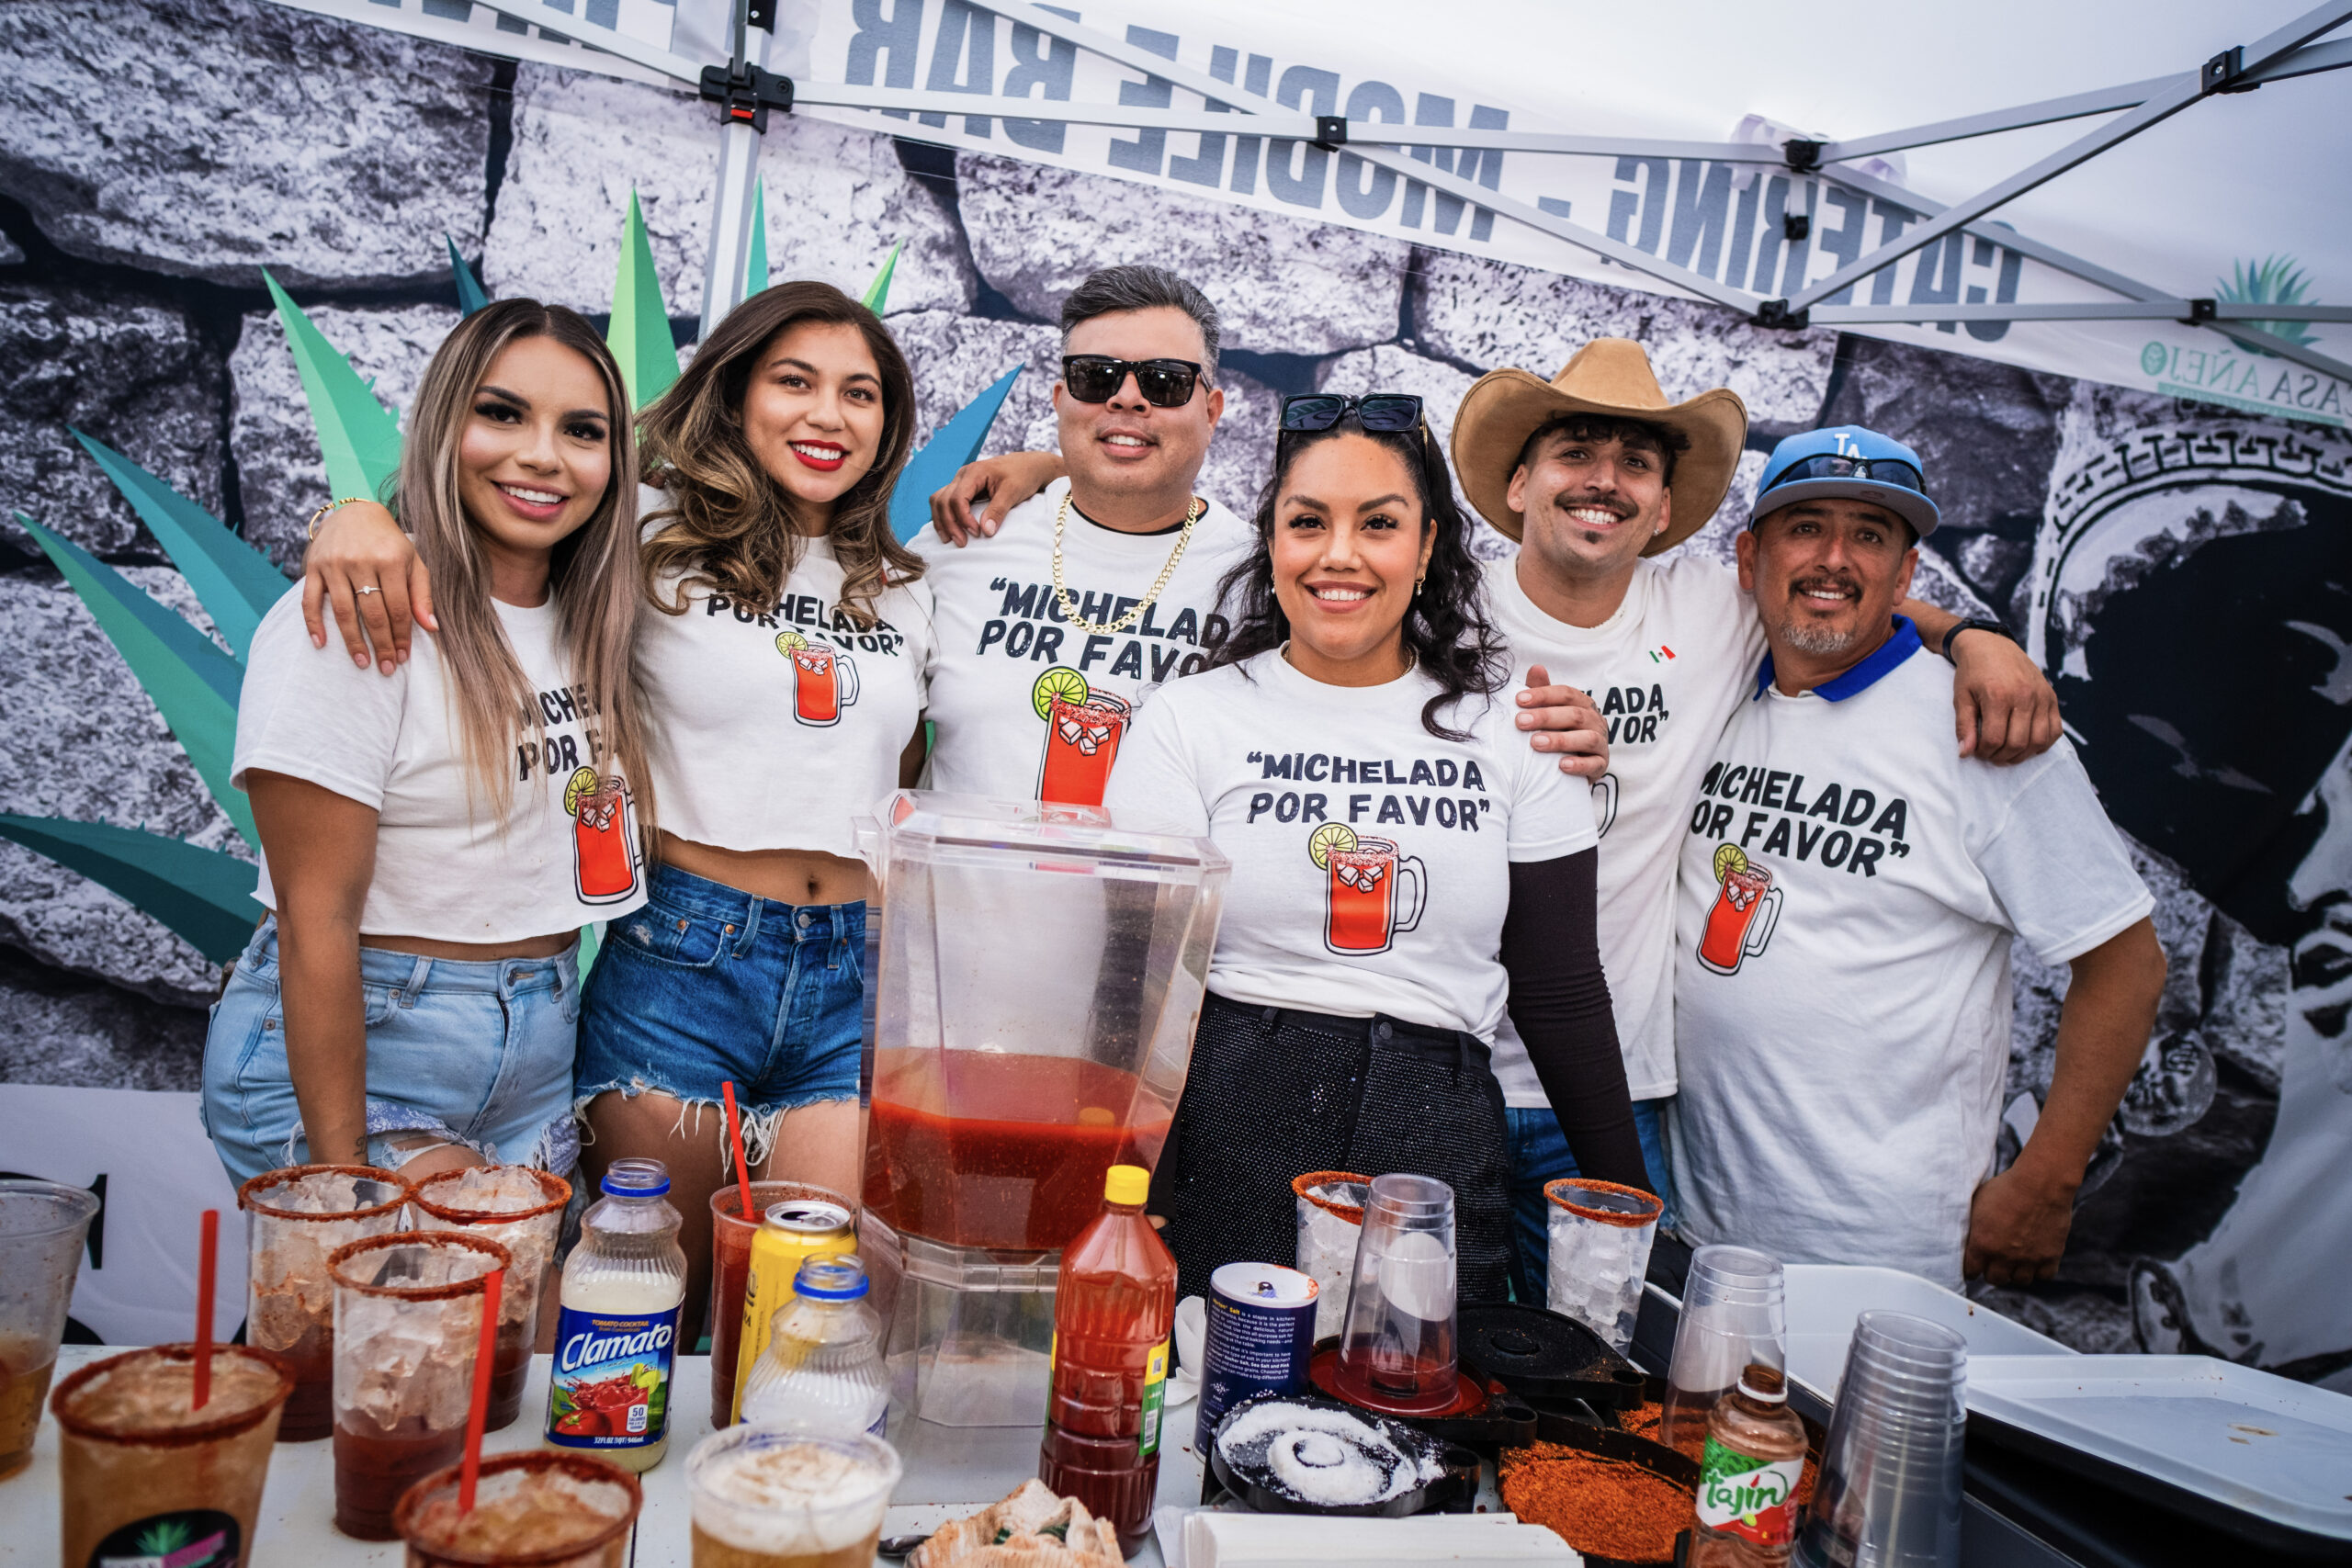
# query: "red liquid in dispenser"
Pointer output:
{"type": "Point", "coordinates": [1115, 1305]}
{"type": "Point", "coordinates": [991, 1149]}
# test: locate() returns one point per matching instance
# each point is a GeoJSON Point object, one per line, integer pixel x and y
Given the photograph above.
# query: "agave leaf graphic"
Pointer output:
{"type": "Point", "coordinates": [639, 333]}
{"type": "Point", "coordinates": [234, 582]}
{"type": "Point", "coordinates": [469, 295]}
{"type": "Point", "coordinates": [878, 293]}
{"type": "Point", "coordinates": [2274, 280]}
{"type": "Point", "coordinates": [163, 1539]}
{"type": "Point", "coordinates": [203, 895]}
{"type": "Point", "coordinates": [755, 264]}
{"type": "Point", "coordinates": [951, 447]}
{"type": "Point", "coordinates": [359, 438]}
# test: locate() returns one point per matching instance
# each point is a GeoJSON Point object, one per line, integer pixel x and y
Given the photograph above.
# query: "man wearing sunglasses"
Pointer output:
{"type": "Point", "coordinates": [1850, 889]}
{"type": "Point", "coordinates": [1597, 474]}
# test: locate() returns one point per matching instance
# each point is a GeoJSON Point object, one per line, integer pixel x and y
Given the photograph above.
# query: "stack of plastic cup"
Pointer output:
{"type": "Point", "coordinates": [1598, 1239]}
{"type": "Point", "coordinates": [1396, 1353]}
{"type": "Point", "coordinates": [1889, 1493]}
{"type": "Point", "coordinates": [1732, 1314]}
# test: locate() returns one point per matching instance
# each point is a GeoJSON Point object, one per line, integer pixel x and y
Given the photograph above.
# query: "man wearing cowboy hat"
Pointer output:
{"type": "Point", "coordinates": [1593, 474]}
{"type": "Point", "coordinates": [1850, 890]}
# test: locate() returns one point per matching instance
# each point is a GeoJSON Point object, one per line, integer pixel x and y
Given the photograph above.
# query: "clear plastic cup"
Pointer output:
{"type": "Point", "coordinates": [1890, 1486]}
{"type": "Point", "coordinates": [1331, 1221]}
{"type": "Point", "coordinates": [1397, 1351]}
{"type": "Point", "coordinates": [298, 1216]}
{"type": "Point", "coordinates": [773, 1497]}
{"type": "Point", "coordinates": [1600, 1235]}
{"type": "Point", "coordinates": [42, 1228]}
{"type": "Point", "coordinates": [521, 1209]}
{"type": "Point", "coordinates": [1732, 1313]}
{"type": "Point", "coordinates": [407, 1323]}
{"type": "Point", "coordinates": [731, 1263]}
{"type": "Point", "coordinates": [148, 1476]}
{"type": "Point", "coordinates": [531, 1510]}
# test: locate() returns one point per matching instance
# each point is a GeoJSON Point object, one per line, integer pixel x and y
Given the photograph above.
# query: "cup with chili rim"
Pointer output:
{"type": "Point", "coordinates": [1599, 1234]}
{"type": "Point", "coordinates": [1330, 1223]}
{"type": "Point", "coordinates": [298, 1217]}
{"type": "Point", "coordinates": [520, 1208]}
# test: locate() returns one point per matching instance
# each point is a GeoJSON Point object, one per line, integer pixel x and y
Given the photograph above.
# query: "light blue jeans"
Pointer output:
{"type": "Point", "coordinates": [1539, 1152]}
{"type": "Point", "coordinates": [476, 1053]}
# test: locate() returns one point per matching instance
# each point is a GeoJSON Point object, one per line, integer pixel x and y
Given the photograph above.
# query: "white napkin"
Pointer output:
{"type": "Point", "coordinates": [1469, 1541]}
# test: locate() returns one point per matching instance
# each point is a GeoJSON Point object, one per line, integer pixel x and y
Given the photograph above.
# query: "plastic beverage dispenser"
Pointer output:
{"type": "Point", "coordinates": [1040, 976]}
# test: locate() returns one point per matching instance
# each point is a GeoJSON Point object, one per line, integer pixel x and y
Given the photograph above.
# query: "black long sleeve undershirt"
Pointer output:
{"type": "Point", "coordinates": [1559, 1002]}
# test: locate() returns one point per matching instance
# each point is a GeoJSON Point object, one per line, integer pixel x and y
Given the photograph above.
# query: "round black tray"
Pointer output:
{"type": "Point", "coordinates": [1542, 1354]}
{"type": "Point", "coordinates": [1451, 1493]}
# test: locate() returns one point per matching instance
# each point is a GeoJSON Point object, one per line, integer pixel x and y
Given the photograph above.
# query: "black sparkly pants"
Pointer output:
{"type": "Point", "coordinates": [1274, 1093]}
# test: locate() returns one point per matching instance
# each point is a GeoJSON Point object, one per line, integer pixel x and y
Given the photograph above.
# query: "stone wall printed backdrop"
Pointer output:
{"type": "Point", "coordinates": [241, 136]}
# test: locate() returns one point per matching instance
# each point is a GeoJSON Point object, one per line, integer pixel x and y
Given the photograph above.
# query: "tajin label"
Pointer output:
{"type": "Point", "coordinates": [190, 1538]}
{"type": "Point", "coordinates": [611, 1383]}
{"type": "Point", "coordinates": [1749, 1498]}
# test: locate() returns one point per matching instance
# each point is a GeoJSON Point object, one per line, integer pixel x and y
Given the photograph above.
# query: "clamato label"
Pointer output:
{"type": "Point", "coordinates": [611, 1384]}
{"type": "Point", "coordinates": [1749, 1498]}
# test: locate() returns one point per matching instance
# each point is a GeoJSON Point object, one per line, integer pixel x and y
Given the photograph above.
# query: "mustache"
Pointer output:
{"type": "Point", "coordinates": [1616, 504]}
{"type": "Point", "coordinates": [1820, 580]}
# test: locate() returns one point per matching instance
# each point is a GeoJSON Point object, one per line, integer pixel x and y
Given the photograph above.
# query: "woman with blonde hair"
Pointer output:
{"type": "Point", "coordinates": [783, 642]}
{"type": "Point", "coordinates": [431, 844]}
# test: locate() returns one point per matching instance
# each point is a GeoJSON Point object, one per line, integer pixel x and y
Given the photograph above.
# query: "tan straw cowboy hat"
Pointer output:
{"type": "Point", "coordinates": [1609, 376]}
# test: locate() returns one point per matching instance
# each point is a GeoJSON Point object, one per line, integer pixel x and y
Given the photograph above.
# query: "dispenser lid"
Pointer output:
{"type": "Point", "coordinates": [946, 826]}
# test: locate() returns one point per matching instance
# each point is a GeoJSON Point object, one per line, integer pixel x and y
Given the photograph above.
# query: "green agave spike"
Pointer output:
{"type": "Point", "coordinates": [469, 295]}
{"type": "Point", "coordinates": [640, 334]}
{"type": "Point", "coordinates": [951, 447]}
{"type": "Point", "coordinates": [207, 896]}
{"type": "Point", "coordinates": [755, 264]}
{"type": "Point", "coordinates": [235, 582]}
{"type": "Point", "coordinates": [878, 293]}
{"type": "Point", "coordinates": [193, 683]}
{"type": "Point", "coordinates": [359, 438]}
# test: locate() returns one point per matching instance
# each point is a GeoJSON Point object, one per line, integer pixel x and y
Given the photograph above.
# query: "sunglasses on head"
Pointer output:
{"type": "Point", "coordinates": [1388, 413]}
{"type": "Point", "coordinates": [1097, 377]}
{"type": "Point", "coordinates": [1877, 470]}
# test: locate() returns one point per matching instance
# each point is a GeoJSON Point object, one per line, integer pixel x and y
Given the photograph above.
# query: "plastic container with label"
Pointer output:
{"type": "Point", "coordinates": [616, 1336]}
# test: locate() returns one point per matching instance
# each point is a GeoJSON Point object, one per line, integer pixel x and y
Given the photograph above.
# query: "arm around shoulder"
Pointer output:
{"type": "Point", "coordinates": [367, 572]}
{"type": "Point", "coordinates": [2004, 708]}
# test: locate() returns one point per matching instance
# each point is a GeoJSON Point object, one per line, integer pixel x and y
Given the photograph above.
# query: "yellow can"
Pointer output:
{"type": "Point", "coordinates": [789, 1233]}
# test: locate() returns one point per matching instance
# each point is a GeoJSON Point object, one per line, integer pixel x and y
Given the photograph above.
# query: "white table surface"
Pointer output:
{"type": "Point", "coordinates": [296, 1529]}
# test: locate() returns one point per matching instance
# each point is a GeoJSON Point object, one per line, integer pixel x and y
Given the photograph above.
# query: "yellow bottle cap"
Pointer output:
{"type": "Point", "coordinates": [1128, 1184]}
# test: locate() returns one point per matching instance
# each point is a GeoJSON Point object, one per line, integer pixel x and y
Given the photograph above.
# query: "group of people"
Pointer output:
{"type": "Point", "coordinates": [1581, 860]}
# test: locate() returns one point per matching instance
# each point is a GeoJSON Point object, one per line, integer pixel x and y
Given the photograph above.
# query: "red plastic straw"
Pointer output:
{"type": "Point", "coordinates": [207, 1276]}
{"type": "Point", "coordinates": [493, 1286]}
{"type": "Point", "coordinates": [735, 1136]}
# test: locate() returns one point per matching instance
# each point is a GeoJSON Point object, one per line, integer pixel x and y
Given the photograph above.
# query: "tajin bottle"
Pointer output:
{"type": "Point", "coordinates": [616, 1336]}
{"type": "Point", "coordinates": [1747, 1479]}
{"type": "Point", "coordinates": [1115, 1305]}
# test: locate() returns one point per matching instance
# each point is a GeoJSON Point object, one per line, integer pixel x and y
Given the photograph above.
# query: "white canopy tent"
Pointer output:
{"type": "Point", "coordinates": [1852, 170]}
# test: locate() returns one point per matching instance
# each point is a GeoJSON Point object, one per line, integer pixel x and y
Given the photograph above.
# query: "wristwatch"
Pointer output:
{"type": "Point", "coordinates": [1997, 627]}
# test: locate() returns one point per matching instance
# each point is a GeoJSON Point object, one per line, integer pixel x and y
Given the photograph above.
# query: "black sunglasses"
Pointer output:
{"type": "Point", "coordinates": [1877, 470]}
{"type": "Point", "coordinates": [1097, 377]}
{"type": "Point", "coordinates": [1388, 413]}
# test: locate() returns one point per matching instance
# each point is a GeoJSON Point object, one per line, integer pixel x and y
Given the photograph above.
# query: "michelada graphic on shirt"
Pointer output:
{"type": "Point", "coordinates": [1850, 889]}
{"type": "Point", "coordinates": [1027, 703]}
{"type": "Point", "coordinates": [1370, 858]}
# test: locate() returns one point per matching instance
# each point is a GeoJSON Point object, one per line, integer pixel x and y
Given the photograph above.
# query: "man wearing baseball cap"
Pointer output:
{"type": "Point", "coordinates": [1595, 474]}
{"type": "Point", "coordinates": [1850, 889]}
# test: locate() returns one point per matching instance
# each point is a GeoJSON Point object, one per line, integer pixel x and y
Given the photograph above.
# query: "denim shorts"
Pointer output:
{"type": "Point", "coordinates": [476, 1053]}
{"type": "Point", "coordinates": [708, 982]}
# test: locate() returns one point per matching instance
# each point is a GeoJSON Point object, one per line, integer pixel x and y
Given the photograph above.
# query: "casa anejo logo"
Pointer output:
{"type": "Point", "coordinates": [605, 854]}
{"type": "Point", "coordinates": [1747, 907]}
{"type": "Point", "coordinates": [1364, 908]}
{"type": "Point", "coordinates": [2252, 380]}
{"type": "Point", "coordinates": [1082, 731]}
{"type": "Point", "coordinates": [824, 681]}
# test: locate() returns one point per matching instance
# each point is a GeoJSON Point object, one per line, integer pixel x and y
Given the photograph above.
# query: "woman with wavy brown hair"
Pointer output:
{"type": "Point", "coordinates": [781, 649]}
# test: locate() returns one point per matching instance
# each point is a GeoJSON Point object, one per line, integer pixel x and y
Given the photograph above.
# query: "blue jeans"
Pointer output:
{"type": "Point", "coordinates": [476, 1053]}
{"type": "Point", "coordinates": [1539, 1152]}
{"type": "Point", "coordinates": [708, 982]}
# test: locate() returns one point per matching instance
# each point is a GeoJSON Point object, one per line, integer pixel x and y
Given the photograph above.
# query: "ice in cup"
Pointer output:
{"type": "Point", "coordinates": [522, 1209]}
{"type": "Point", "coordinates": [42, 1228]}
{"type": "Point", "coordinates": [147, 1477]}
{"type": "Point", "coordinates": [531, 1510]}
{"type": "Point", "coordinates": [773, 1497]}
{"type": "Point", "coordinates": [407, 1321]}
{"type": "Point", "coordinates": [298, 1216]}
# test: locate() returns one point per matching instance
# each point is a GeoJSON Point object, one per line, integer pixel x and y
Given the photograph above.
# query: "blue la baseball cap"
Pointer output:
{"type": "Point", "coordinates": [1849, 462]}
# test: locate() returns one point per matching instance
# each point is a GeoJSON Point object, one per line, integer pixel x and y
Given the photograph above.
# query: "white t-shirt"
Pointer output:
{"type": "Point", "coordinates": [1850, 887]}
{"type": "Point", "coordinates": [773, 727]}
{"type": "Point", "coordinates": [1002, 627]}
{"type": "Point", "coordinates": [1665, 671]}
{"type": "Point", "coordinates": [448, 868]}
{"type": "Point", "coordinates": [1371, 860]}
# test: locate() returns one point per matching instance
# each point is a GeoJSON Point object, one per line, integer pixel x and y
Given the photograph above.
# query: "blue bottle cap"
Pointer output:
{"type": "Point", "coordinates": [635, 1178]}
{"type": "Point", "coordinates": [832, 1276]}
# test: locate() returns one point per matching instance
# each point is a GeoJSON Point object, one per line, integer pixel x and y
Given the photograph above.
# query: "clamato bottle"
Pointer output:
{"type": "Point", "coordinates": [1747, 1479]}
{"type": "Point", "coordinates": [615, 1339]}
{"type": "Point", "coordinates": [1115, 1305]}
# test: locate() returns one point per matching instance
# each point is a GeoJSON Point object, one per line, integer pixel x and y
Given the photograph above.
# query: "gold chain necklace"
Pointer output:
{"type": "Point", "coordinates": [1070, 606]}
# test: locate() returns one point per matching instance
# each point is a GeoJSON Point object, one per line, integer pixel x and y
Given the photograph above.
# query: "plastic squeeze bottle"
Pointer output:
{"type": "Point", "coordinates": [616, 1334]}
{"type": "Point", "coordinates": [822, 1368]}
{"type": "Point", "coordinates": [1115, 1305]}
{"type": "Point", "coordinates": [1748, 1478]}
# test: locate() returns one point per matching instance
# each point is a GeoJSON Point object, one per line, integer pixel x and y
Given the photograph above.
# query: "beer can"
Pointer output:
{"type": "Point", "coordinates": [796, 1229]}
{"type": "Point", "coordinates": [1261, 1335]}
